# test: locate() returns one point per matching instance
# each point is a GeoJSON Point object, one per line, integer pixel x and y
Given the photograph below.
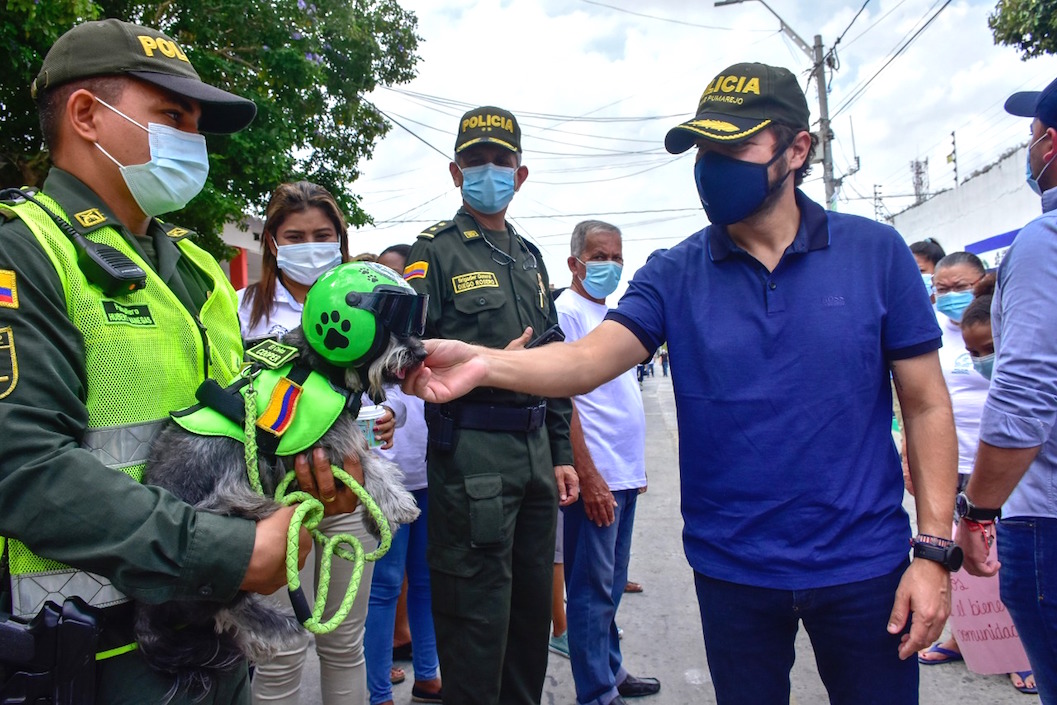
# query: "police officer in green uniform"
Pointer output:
{"type": "Point", "coordinates": [94, 354]}
{"type": "Point", "coordinates": [498, 463]}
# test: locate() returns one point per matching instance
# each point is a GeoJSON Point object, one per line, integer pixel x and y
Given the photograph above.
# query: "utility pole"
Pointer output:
{"type": "Point", "coordinates": [825, 135]}
{"type": "Point", "coordinates": [952, 158]}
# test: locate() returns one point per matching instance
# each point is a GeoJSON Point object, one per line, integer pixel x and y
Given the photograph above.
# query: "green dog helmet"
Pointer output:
{"type": "Point", "coordinates": [352, 309]}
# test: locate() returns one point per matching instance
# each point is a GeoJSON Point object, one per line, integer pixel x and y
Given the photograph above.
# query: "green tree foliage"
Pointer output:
{"type": "Point", "coordinates": [306, 63]}
{"type": "Point", "coordinates": [1028, 25]}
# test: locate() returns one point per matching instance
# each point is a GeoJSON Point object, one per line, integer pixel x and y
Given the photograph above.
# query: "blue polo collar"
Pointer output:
{"type": "Point", "coordinates": [813, 233]}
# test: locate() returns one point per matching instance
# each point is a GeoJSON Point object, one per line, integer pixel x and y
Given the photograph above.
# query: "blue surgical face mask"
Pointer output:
{"type": "Point", "coordinates": [308, 261]}
{"type": "Point", "coordinates": [984, 365]}
{"type": "Point", "coordinates": [602, 278]}
{"type": "Point", "coordinates": [488, 188]}
{"type": "Point", "coordinates": [953, 304]}
{"type": "Point", "coordinates": [176, 172]}
{"type": "Point", "coordinates": [730, 189]}
{"type": "Point", "coordinates": [1033, 181]}
{"type": "Point", "coordinates": [927, 278]}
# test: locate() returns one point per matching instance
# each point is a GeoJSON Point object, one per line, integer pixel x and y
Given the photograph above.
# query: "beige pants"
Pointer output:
{"type": "Point", "coordinates": [342, 674]}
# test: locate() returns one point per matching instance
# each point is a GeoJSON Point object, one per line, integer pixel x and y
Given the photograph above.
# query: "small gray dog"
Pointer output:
{"type": "Point", "coordinates": [359, 332]}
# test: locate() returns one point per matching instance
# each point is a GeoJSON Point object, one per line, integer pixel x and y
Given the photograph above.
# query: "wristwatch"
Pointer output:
{"type": "Point", "coordinates": [966, 509]}
{"type": "Point", "coordinates": [943, 551]}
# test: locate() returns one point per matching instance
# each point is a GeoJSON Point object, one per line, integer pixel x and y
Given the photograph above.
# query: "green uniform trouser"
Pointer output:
{"type": "Point", "coordinates": [492, 510]}
{"type": "Point", "coordinates": [128, 680]}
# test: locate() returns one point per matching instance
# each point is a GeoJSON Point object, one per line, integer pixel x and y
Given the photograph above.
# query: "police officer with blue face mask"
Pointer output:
{"type": "Point", "coordinates": [498, 462]}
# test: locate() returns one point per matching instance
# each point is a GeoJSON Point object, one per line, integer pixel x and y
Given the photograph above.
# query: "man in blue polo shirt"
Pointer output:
{"type": "Point", "coordinates": [784, 323]}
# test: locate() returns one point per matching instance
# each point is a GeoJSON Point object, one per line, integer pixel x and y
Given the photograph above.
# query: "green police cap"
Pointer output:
{"type": "Point", "coordinates": [740, 102]}
{"type": "Point", "coordinates": [112, 47]}
{"type": "Point", "coordinates": [488, 124]}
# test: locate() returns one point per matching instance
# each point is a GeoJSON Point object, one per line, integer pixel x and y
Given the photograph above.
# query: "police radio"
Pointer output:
{"type": "Point", "coordinates": [104, 266]}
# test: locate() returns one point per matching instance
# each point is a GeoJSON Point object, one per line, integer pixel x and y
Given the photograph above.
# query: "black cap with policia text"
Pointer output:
{"type": "Point", "coordinates": [740, 102]}
{"type": "Point", "coordinates": [112, 47]}
{"type": "Point", "coordinates": [488, 124]}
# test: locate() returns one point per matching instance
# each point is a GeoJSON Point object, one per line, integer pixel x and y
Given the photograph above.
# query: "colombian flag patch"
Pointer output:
{"type": "Point", "coordinates": [8, 289]}
{"type": "Point", "coordinates": [279, 414]}
{"type": "Point", "coordinates": [416, 270]}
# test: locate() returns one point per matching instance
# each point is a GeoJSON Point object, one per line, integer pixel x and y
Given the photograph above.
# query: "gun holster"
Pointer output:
{"type": "Point", "coordinates": [50, 660]}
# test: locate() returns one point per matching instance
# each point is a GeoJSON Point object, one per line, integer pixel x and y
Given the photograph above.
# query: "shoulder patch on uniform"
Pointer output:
{"type": "Point", "coordinates": [175, 231]}
{"type": "Point", "coordinates": [90, 217]}
{"type": "Point", "coordinates": [416, 270]}
{"type": "Point", "coordinates": [8, 362]}
{"type": "Point", "coordinates": [474, 280]}
{"type": "Point", "coordinates": [8, 289]}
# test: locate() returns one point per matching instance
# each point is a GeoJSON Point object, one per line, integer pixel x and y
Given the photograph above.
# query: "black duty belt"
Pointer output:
{"type": "Point", "coordinates": [487, 417]}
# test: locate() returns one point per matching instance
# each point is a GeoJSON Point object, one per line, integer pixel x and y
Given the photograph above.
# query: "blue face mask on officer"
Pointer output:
{"type": "Point", "coordinates": [488, 188]}
{"type": "Point", "coordinates": [602, 278]}
{"type": "Point", "coordinates": [175, 173]}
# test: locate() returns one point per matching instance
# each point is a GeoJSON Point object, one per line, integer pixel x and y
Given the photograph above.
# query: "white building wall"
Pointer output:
{"type": "Point", "coordinates": [991, 203]}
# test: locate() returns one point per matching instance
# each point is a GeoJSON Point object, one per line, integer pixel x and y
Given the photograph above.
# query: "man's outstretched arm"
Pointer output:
{"type": "Point", "coordinates": [454, 368]}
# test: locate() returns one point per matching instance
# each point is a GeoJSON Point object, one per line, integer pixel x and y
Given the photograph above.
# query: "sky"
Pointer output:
{"type": "Point", "coordinates": [596, 84]}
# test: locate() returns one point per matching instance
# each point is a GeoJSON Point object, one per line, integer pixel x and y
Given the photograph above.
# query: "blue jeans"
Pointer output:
{"type": "Point", "coordinates": [407, 552]}
{"type": "Point", "coordinates": [750, 632]}
{"type": "Point", "coordinates": [1027, 549]}
{"type": "Point", "coordinates": [596, 571]}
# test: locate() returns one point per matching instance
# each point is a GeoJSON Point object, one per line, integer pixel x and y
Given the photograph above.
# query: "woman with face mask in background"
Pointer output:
{"type": "Point", "coordinates": [305, 236]}
{"type": "Point", "coordinates": [957, 279]}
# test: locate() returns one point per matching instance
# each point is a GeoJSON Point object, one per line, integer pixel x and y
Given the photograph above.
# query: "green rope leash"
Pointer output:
{"type": "Point", "coordinates": [308, 514]}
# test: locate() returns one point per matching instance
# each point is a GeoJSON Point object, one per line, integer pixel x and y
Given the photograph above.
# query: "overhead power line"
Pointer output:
{"type": "Point", "coordinates": [668, 19]}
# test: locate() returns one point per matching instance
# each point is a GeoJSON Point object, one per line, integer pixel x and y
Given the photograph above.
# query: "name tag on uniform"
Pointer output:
{"type": "Point", "coordinates": [474, 280]}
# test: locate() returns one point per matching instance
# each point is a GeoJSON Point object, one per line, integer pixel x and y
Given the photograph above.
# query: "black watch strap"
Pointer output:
{"type": "Point", "coordinates": [943, 551]}
{"type": "Point", "coordinates": [967, 510]}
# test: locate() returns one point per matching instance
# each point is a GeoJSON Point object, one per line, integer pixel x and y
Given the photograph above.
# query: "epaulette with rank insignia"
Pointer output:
{"type": "Point", "coordinates": [435, 229]}
{"type": "Point", "coordinates": [175, 231]}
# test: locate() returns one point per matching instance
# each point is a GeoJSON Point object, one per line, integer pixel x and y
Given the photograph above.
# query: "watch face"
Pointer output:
{"type": "Point", "coordinates": [955, 558]}
{"type": "Point", "coordinates": [961, 505]}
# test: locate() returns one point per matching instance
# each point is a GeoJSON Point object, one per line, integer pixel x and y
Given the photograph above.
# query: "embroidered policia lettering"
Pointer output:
{"type": "Point", "coordinates": [8, 362]}
{"type": "Point", "coordinates": [163, 45]}
{"type": "Point", "coordinates": [474, 280]}
{"type": "Point", "coordinates": [488, 121]}
{"type": "Point", "coordinates": [135, 315]}
{"type": "Point", "coordinates": [724, 88]}
{"type": "Point", "coordinates": [8, 289]}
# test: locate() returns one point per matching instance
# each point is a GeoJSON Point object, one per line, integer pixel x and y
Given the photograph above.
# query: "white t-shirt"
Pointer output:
{"type": "Point", "coordinates": [409, 439]}
{"type": "Point", "coordinates": [283, 317]}
{"type": "Point", "coordinates": [968, 390]}
{"type": "Point", "coordinates": [612, 417]}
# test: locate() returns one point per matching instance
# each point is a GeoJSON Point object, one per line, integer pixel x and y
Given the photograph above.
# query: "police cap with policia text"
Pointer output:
{"type": "Point", "coordinates": [740, 102]}
{"type": "Point", "coordinates": [112, 47]}
{"type": "Point", "coordinates": [488, 124]}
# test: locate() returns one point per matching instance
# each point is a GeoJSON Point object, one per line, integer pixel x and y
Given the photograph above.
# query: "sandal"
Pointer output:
{"type": "Point", "coordinates": [1023, 687]}
{"type": "Point", "coordinates": [949, 656]}
{"type": "Point", "coordinates": [396, 675]}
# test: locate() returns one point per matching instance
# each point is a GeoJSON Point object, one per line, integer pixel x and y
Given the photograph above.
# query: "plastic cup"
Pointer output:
{"type": "Point", "coordinates": [369, 416]}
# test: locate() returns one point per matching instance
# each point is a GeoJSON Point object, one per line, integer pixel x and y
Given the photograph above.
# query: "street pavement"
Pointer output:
{"type": "Point", "coordinates": [662, 629]}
